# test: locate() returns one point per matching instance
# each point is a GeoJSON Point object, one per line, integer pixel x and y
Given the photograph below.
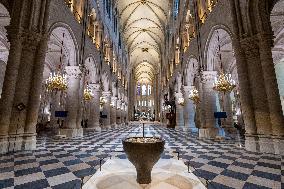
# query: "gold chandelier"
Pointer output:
{"type": "Point", "coordinates": [112, 104]}
{"type": "Point", "coordinates": [194, 96]}
{"type": "Point", "coordinates": [181, 101]}
{"type": "Point", "coordinates": [224, 83]}
{"type": "Point", "coordinates": [88, 94]}
{"type": "Point", "coordinates": [56, 82]}
{"type": "Point", "coordinates": [102, 102]}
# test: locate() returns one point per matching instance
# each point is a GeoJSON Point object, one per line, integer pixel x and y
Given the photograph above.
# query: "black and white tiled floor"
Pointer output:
{"type": "Point", "coordinates": [62, 163]}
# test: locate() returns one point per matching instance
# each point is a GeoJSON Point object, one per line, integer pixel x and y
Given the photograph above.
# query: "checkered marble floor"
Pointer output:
{"type": "Point", "coordinates": [64, 163]}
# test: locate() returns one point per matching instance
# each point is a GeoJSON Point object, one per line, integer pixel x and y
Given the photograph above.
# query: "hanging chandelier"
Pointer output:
{"type": "Point", "coordinates": [102, 102]}
{"type": "Point", "coordinates": [181, 101]}
{"type": "Point", "coordinates": [56, 82]}
{"type": "Point", "coordinates": [194, 95]}
{"type": "Point", "coordinates": [88, 94]}
{"type": "Point", "coordinates": [224, 83]}
{"type": "Point", "coordinates": [112, 104]}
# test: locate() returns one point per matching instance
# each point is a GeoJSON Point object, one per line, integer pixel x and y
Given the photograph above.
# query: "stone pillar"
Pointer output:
{"type": "Point", "coordinates": [227, 124]}
{"type": "Point", "coordinates": [55, 100]}
{"type": "Point", "coordinates": [208, 128]}
{"type": "Point", "coordinates": [189, 110]}
{"type": "Point", "coordinates": [113, 112]}
{"type": "Point", "coordinates": [244, 82]}
{"type": "Point", "coordinates": [8, 90]}
{"type": "Point", "coordinates": [22, 83]}
{"type": "Point", "coordinates": [272, 91]}
{"type": "Point", "coordinates": [94, 120]}
{"type": "Point", "coordinates": [107, 110]}
{"type": "Point", "coordinates": [126, 115]}
{"type": "Point", "coordinates": [81, 106]}
{"type": "Point", "coordinates": [35, 92]}
{"type": "Point", "coordinates": [22, 92]}
{"type": "Point", "coordinates": [123, 113]}
{"type": "Point", "coordinates": [118, 112]}
{"type": "Point", "coordinates": [261, 139]}
{"type": "Point", "coordinates": [179, 112]}
{"type": "Point", "coordinates": [71, 129]}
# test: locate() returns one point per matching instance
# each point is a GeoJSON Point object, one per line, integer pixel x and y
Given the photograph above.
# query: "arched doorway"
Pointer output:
{"type": "Point", "coordinates": [221, 59]}
{"type": "Point", "coordinates": [60, 54]}
{"type": "Point", "coordinates": [91, 77]}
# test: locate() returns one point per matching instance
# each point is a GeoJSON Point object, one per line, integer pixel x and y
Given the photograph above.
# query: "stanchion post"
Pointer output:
{"type": "Point", "coordinates": [143, 130]}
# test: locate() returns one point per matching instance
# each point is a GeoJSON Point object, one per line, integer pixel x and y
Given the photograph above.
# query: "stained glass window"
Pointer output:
{"type": "Point", "coordinates": [138, 89]}
{"type": "Point", "coordinates": [176, 8]}
{"type": "Point", "coordinates": [149, 90]}
{"type": "Point", "coordinates": [144, 90]}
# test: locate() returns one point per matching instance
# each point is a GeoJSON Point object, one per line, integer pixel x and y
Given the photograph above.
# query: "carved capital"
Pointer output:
{"type": "Point", "coordinates": [106, 94]}
{"type": "Point", "coordinates": [209, 76]}
{"type": "Point", "coordinates": [31, 40]}
{"type": "Point", "coordinates": [178, 95]}
{"type": "Point", "coordinates": [73, 72]}
{"type": "Point", "coordinates": [95, 87]}
{"type": "Point", "coordinates": [187, 89]}
{"type": "Point", "coordinates": [250, 46]}
{"type": "Point", "coordinates": [266, 37]}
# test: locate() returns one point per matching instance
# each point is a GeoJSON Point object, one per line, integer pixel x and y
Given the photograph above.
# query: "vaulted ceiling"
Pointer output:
{"type": "Point", "coordinates": [142, 24]}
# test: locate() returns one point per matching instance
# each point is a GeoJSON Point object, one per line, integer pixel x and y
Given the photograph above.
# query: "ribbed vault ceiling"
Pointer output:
{"type": "Point", "coordinates": [143, 27]}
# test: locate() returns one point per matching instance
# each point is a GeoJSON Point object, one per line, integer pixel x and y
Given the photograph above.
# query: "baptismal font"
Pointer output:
{"type": "Point", "coordinates": [143, 152]}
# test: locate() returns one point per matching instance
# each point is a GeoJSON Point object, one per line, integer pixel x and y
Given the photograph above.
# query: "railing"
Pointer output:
{"type": "Point", "coordinates": [100, 168]}
{"type": "Point", "coordinates": [207, 181]}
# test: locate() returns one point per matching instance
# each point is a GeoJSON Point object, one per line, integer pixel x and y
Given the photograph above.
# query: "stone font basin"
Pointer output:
{"type": "Point", "coordinates": [143, 153]}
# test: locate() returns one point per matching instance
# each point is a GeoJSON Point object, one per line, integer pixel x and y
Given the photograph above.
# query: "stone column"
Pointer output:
{"type": "Point", "coordinates": [179, 112]}
{"type": "Point", "coordinates": [227, 124]}
{"type": "Point", "coordinates": [113, 112]}
{"type": "Point", "coordinates": [24, 71]}
{"type": "Point", "coordinates": [19, 90]}
{"type": "Point", "coordinates": [22, 129]}
{"type": "Point", "coordinates": [244, 82]}
{"type": "Point", "coordinates": [126, 115]}
{"type": "Point", "coordinates": [123, 114]}
{"type": "Point", "coordinates": [208, 128]}
{"type": "Point", "coordinates": [107, 96]}
{"type": "Point", "coordinates": [94, 120]}
{"type": "Point", "coordinates": [55, 100]}
{"type": "Point", "coordinates": [189, 110]}
{"type": "Point", "coordinates": [118, 112]}
{"type": "Point", "coordinates": [81, 105]}
{"type": "Point", "coordinates": [272, 91]}
{"type": "Point", "coordinates": [9, 84]}
{"type": "Point", "coordinates": [71, 129]}
{"type": "Point", "coordinates": [261, 139]}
